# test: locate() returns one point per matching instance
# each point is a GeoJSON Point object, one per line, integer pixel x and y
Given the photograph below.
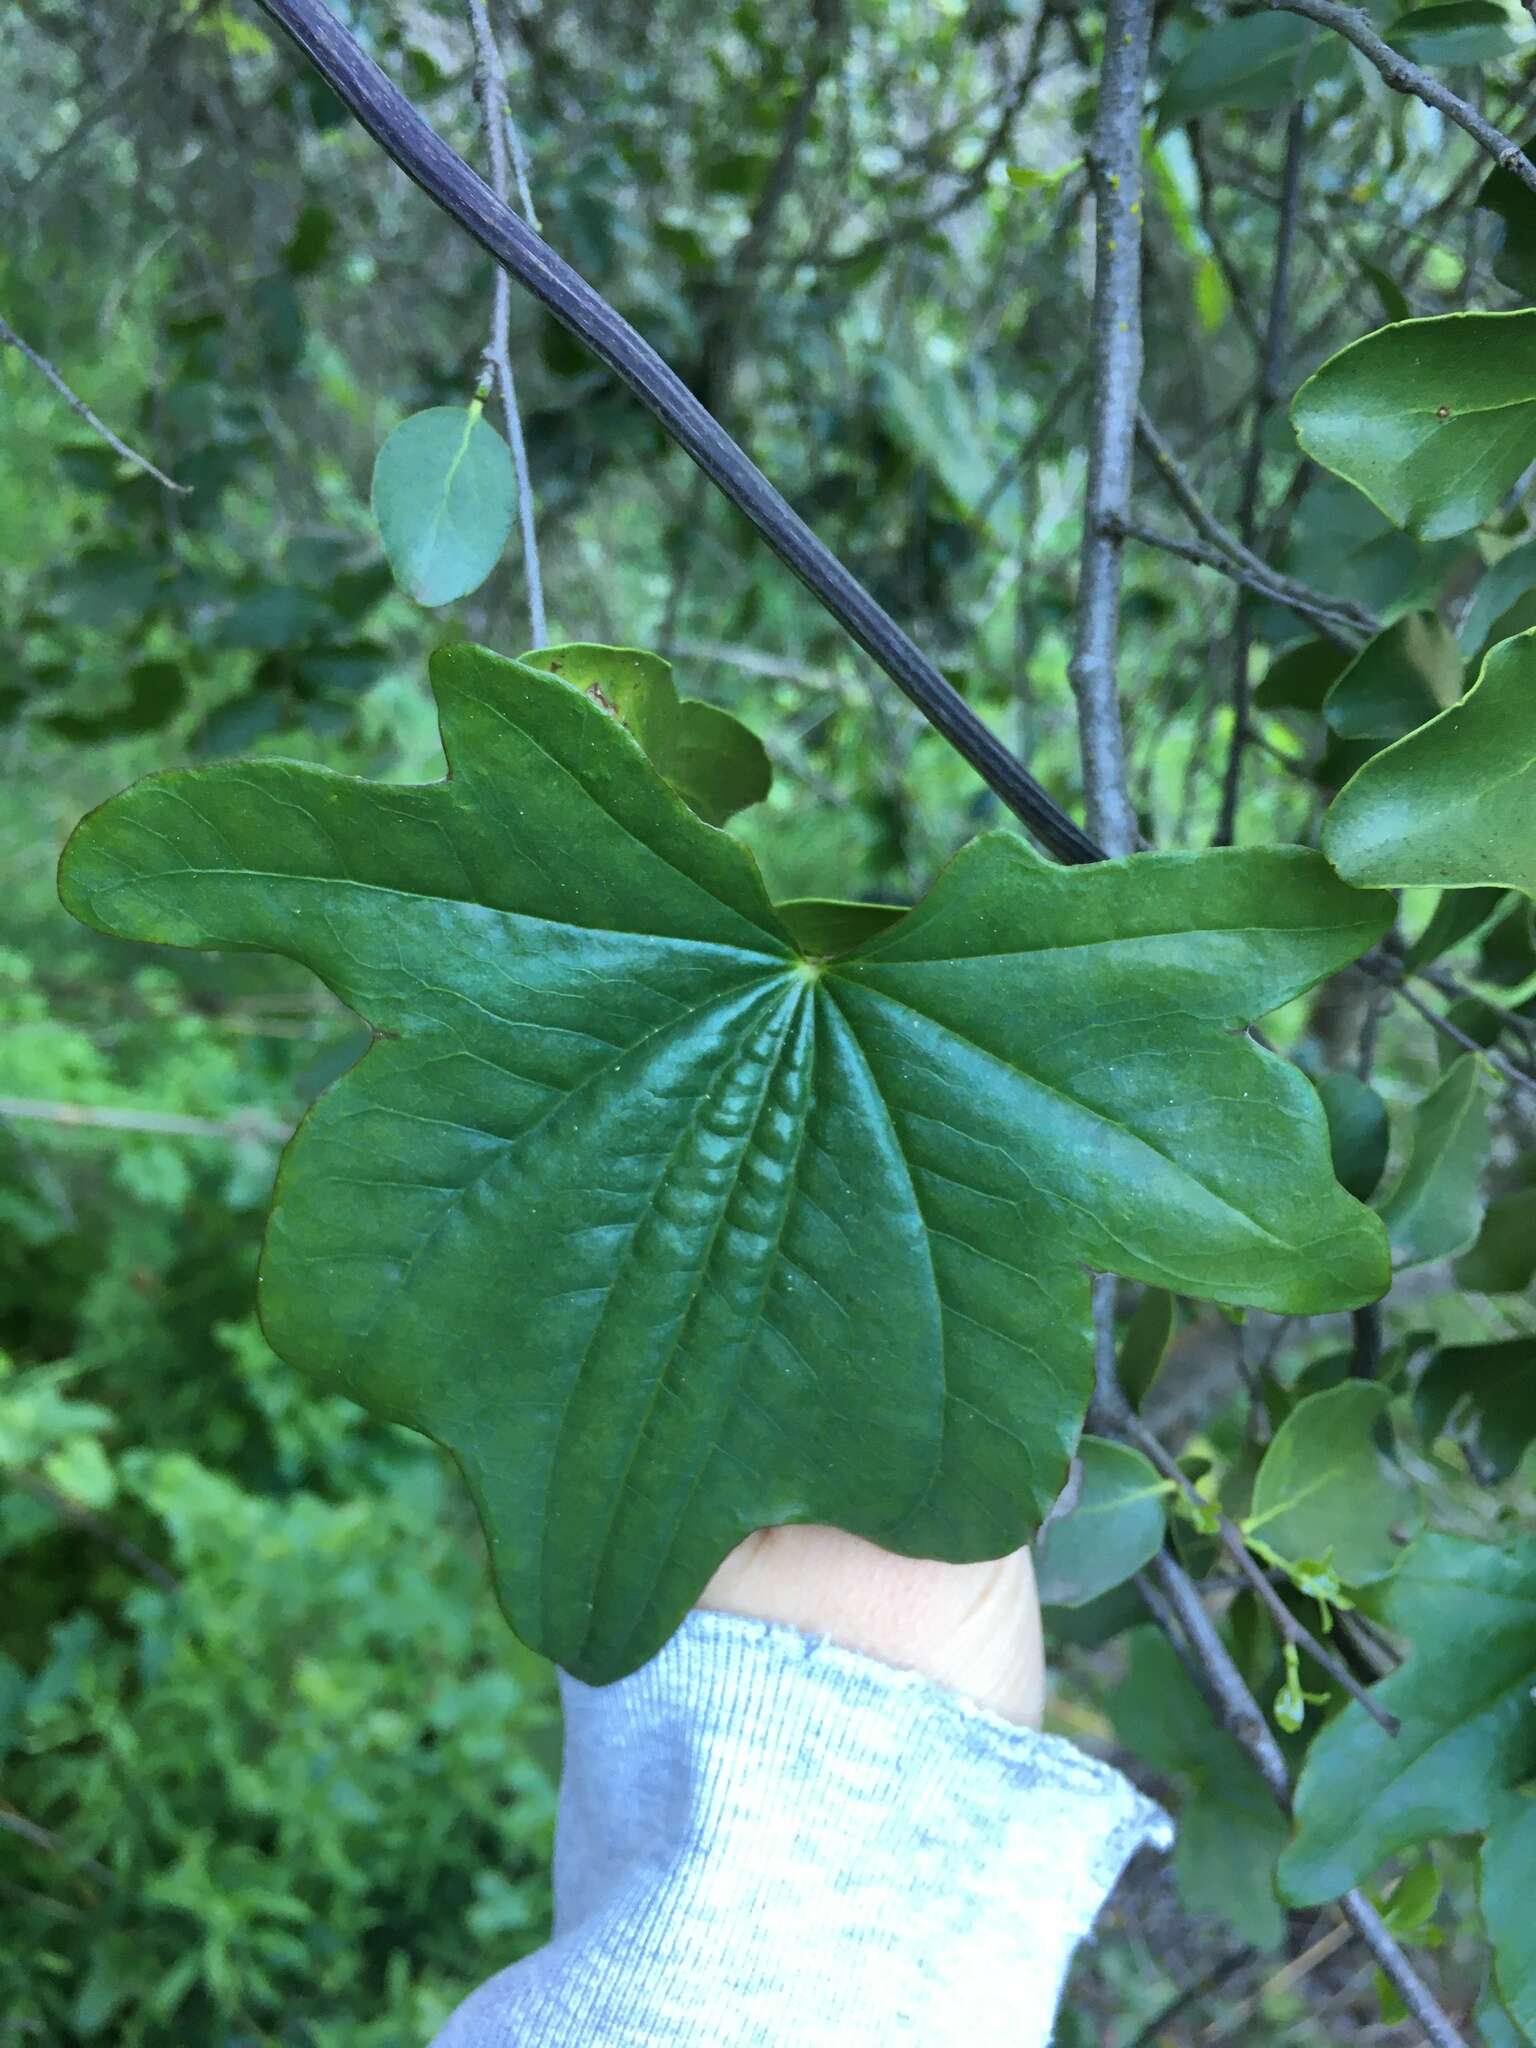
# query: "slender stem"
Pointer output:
{"type": "Point", "coordinates": [422, 154]}
{"type": "Point", "coordinates": [1399, 1972]}
{"type": "Point", "coordinates": [491, 92]}
{"type": "Point", "coordinates": [71, 1510]}
{"type": "Point", "coordinates": [1392, 977]}
{"type": "Point", "coordinates": [15, 1823]}
{"type": "Point", "coordinates": [1115, 163]}
{"type": "Point", "coordinates": [1156, 2028]}
{"type": "Point", "coordinates": [1356, 26]}
{"type": "Point", "coordinates": [1322, 611]}
{"type": "Point", "coordinates": [1174, 1601]}
{"type": "Point", "coordinates": [1116, 1414]}
{"type": "Point", "coordinates": [251, 1126]}
{"type": "Point", "coordinates": [1265, 400]}
{"type": "Point", "coordinates": [1223, 1684]}
{"type": "Point", "coordinates": [1357, 622]}
{"type": "Point", "coordinates": [9, 338]}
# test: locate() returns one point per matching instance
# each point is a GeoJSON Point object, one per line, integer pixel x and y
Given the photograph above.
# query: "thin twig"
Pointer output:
{"type": "Point", "coordinates": [1211, 1980]}
{"type": "Point", "coordinates": [1323, 612]}
{"type": "Point", "coordinates": [11, 339]}
{"type": "Point", "coordinates": [1118, 1417]}
{"type": "Point", "coordinates": [250, 1126]}
{"type": "Point", "coordinates": [15, 1823]}
{"type": "Point", "coordinates": [1356, 26]}
{"type": "Point", "coordinates": [1266, 398]}
{"type": "Point", "coordinates": [388, 116]}
{"type": "Point", "coordinates": [1358, 624]}
{"type": "Point", "coordinates": [1222, 1683]}
{"type": "Point", "coordinates": [1392, 976]}
{"type": "Point", "coordinates": [1114, 159]}
{"type": "Point", "coordinates": [491, 92]}
{"type": "Point", "coordinates": [75, 1511]}
{"type": "Point", "coordinates": [1175, 1603]}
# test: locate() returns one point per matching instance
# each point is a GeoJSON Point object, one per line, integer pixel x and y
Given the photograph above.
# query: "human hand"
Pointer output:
{"type": "Point", "coordinates": [972, 1627]}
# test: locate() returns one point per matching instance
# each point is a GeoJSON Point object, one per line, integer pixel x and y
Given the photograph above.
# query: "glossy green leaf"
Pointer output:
{"type": "Point", "coordinates": [1301, 677]}
{"type": "Point", "coordinates": [716, 765]}
{"type": "Point", "coordinates": [1503, 1260]}
{"type": "Point", "coordinates": [1115, 1526]}
{"type": "Point", "coordinates": [1508, 1891]}
{"type": "Point", "coordinates": [1502, 589]}
{"type": "Point", "coordinates": [1464, 1700]}
{"type": "Point", "coordinates": [1453, 32]}
{"type": "Point", "coordinates": [1324, 1492]}
{"type": "Point", "coordinates": [1453, 805]}
{"type": "Point", "coordinates": [1230, 1831]}
{"type": "Point", "coordinates": [1358, 1132]}
{"type": "Point", "coordinates": [1434, 420]}
{"type": "Point", "coordinates": [1405, 675]}
{"type": "Point", "coordinates": [443, 494]}
{"type": "Point", "coordinates": [670, 1235]}
{"type": "Point", "coordinates": [1495, 2028]}
{"type": "Point", "coordinates": [1257, 60]}
{"type": "Point", "coordinates": [1435, 1208]}
{"type": "Point", "coordinates": [1485, 1396]}
{"type": "Point", "coordinates": [1511, 199]}
{"type": "Point", "coordinates": [1457, 917]}
{"type": "Point", "coordinates": [1506, 953]}
{"type": "Point", "coordinates": [1144, 1343]}
{"type": "Point", "coordinates": [824, 926]}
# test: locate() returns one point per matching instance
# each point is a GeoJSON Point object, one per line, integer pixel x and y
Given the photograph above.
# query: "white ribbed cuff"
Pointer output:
{"type": "Point", "coordinates": [765, 1838]}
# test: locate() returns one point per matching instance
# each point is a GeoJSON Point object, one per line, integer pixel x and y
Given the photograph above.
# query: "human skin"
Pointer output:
{"type": "Point", "coordinates": [974, 1628]}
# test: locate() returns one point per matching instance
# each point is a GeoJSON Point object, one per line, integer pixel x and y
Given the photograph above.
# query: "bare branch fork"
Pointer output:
{"type": "Point", "coordinates": [1356, 621]}
{"type": "Point", "coordinates": [1323, 612]}
{"type": "Point", "coordinates": [421, 153]}
{"type": "Point", "coordinates": [1356, 27]}
{"type": "Point", "coordinates": [9, 338]}
{"type": "Point", "coordinates": [491, 92]}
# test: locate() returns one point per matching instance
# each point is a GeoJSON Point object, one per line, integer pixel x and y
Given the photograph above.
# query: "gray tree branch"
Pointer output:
{"type": "Point", "coordinates": [1323, 612]}
{"type": "Point", "coordinates": [1174, 1602]}
{"type": "Point", "coordinates": [1356, 27]}
{"type": "Point", "coordinates": [491, 92]}
{"type": "Point", "coordinates": [1115, 166]}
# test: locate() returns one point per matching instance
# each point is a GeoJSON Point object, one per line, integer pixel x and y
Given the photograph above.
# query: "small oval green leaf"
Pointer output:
{"type": "Point", "coordinates": [443, 494]}
{"type": "Point", "coordinates": [1115, 1527]}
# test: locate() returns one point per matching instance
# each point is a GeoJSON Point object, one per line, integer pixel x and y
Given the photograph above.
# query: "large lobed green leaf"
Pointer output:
{"type": "Point", "coordinates": [670, 1234]}
{"type": "Point", "coordinates": [1454, 804]}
